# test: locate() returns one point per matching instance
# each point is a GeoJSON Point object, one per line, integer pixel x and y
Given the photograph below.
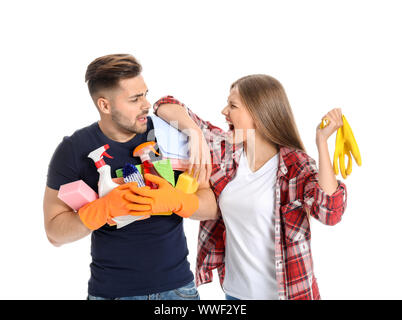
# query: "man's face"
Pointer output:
{"type": "Point", "coordinates": [129, 105]}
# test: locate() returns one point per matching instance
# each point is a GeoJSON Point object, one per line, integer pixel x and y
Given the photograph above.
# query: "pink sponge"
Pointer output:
{"type": "Point", "coordinates": [76, 194]}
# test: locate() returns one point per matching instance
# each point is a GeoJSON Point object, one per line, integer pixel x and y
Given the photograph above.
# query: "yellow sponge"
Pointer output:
{"type": "Point", "coordinates": [187, 183]}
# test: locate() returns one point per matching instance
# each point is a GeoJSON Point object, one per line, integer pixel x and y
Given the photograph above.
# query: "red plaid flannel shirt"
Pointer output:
{"type": "Point", "coordinates": [297, 194]}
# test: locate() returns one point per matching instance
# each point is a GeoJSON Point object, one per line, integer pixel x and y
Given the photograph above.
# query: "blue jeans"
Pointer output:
{"type": "Point", "coordinates": [230, 297]}
{"type": "Point", "coordinates": [187, 292]}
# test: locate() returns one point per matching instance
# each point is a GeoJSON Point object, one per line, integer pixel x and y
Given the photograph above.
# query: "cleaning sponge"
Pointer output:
{"type": "Point", "coordinates": [76, 194]}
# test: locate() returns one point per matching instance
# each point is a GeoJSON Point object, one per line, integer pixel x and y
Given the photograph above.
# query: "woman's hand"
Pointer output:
{"type": "Point", "coordinates": [200, 165]}
{"type": "Point", "coordinates": [335, 122]}
{"type": "Point", "coordinates": [326, 176]}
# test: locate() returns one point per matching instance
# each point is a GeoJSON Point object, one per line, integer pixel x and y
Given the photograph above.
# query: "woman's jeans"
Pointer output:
{"type": "Point", "coordinates": [187, 292]}
{"type": "Point", "coordinates": [230, 297]}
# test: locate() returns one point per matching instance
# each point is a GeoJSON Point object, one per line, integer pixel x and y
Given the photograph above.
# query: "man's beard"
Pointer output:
{"type": "Point", "coordinates": [122, 122]}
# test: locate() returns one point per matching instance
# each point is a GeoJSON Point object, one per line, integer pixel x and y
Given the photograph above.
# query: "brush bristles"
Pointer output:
{"type": "Point", "coordinates": [131, 174]}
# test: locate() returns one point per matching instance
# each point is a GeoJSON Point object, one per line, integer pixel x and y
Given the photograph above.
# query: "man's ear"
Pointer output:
{"type": "Point", "coordinates": [103, 105]}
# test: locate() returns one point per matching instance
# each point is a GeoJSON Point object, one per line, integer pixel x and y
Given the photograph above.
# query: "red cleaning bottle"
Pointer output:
{"type": "Point", "coordinates": [143, 151]}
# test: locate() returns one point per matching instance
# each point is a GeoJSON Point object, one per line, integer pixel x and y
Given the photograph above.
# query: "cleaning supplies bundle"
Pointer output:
{"type": "Point", "coordinates": [185, 183]}
{"type": "Point", "coordinates": [78, 195]}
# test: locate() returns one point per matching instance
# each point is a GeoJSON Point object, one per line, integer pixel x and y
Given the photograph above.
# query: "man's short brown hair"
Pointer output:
{"type": "Point", "coordinates": [105, 72]}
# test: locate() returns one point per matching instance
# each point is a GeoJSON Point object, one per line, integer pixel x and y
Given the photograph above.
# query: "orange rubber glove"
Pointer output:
{"type": "Point", "coordinates": [100, 211]}
{"type": "Point", "coordinates": [164, 199]}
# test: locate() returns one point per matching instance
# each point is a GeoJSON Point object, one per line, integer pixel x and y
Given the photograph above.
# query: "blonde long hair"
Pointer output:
{"type": "Point", "coordinates": [266, 100]}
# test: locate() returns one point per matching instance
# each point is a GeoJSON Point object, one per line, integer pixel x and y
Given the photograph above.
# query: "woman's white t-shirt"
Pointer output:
{"type": "Point", "coordinates": [247, 206]}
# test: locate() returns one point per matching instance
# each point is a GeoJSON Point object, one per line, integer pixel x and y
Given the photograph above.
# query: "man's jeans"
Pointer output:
{"type": "Point", "coordinates": [188, 292]}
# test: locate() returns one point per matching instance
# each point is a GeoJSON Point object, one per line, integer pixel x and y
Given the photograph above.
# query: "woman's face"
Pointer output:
{"type": "Point", "coordinates": [237, 115]}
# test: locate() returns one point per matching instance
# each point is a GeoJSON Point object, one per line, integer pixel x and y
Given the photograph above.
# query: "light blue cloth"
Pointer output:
{"type": "Point", "coordinates": [171, 142]}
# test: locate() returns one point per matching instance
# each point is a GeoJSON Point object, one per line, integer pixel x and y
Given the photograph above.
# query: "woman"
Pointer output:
{"type": "Point", "coordinates": [266, 188]}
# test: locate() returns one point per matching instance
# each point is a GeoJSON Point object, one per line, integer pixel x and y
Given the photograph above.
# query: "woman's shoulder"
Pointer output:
{"type": "Point", "coordinates": [297, 162]}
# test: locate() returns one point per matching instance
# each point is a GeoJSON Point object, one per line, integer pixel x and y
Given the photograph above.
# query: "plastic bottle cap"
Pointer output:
{"type": "Point", "coordinates": [100, 163]}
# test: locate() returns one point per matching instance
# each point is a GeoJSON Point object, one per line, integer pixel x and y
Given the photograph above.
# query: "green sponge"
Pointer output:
{"type": "Point", "coordinates": [164, 168]}
{"type": "Point", "coordinates": [139, 167]}
{"type": "Point", "coordinates": [119, 173]}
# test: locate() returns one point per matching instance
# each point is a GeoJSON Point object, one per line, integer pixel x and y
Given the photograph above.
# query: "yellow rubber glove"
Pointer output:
{"type": "Point", "coordinates": [100, 211]}
{"type": "Point", "coordinates": [164, 199]}
{"type": "Point", "coordinates": [350, 141]}
{"type": "Point", "coordinates": [345, 145]}
{"type": "Point", "coordinates": [339, 150]}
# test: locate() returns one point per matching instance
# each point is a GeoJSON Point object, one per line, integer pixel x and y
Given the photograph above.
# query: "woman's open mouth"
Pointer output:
{"type": "Point", "coordinates": [231, 126]}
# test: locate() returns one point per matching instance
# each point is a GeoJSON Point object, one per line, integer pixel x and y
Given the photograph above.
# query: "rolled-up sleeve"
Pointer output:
{"type": "Point", "coordinates": [172, 100]}
{"type": "Point", "coordinates": [211, 132]}
{"type": "Point", "coordinates": [326, 208]}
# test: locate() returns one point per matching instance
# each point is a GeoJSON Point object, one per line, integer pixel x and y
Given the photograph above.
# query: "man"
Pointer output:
{"type": "Point", "coordinates": [146, 259]}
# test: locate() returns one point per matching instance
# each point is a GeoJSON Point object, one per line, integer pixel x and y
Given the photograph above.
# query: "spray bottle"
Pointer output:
{"type": "Point", "coordinates": [105, 184]}
{"type": "Point", "coordinates": [143, 151]}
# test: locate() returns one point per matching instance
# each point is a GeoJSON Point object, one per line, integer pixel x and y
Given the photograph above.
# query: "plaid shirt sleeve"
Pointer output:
{"type": "Point", "coordinates": [208, 129]}
{"type": "Point", "coordinates": [328, 209]}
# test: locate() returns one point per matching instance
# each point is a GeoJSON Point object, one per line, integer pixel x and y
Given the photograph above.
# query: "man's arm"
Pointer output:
{"type": "Point", "coordinates": [62, 224]}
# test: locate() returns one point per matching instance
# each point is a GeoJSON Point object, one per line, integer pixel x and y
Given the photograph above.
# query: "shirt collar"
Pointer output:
{"type": "Point", "coordinates": [283, 170]}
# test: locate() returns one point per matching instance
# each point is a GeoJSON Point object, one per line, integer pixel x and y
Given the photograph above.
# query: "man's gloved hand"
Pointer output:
{"type": "Point", "coordinates": [164, 199]}
{"type": "Point", "coordinates": [96, 213]}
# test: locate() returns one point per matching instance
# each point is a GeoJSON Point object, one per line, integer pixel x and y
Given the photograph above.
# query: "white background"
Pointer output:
{"type": "Point", "coordinates": [327, 54]}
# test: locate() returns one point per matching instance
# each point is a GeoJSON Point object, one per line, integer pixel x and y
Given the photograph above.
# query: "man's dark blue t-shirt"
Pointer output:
{"type": "Point", "coordinates": [144, 257]}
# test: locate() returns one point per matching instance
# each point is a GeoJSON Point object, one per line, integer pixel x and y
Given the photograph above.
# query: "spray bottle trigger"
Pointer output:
{"type": "Point", "coordinates": [107, 155]}
{"type": "Point", "coordinates": [152, 148]}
